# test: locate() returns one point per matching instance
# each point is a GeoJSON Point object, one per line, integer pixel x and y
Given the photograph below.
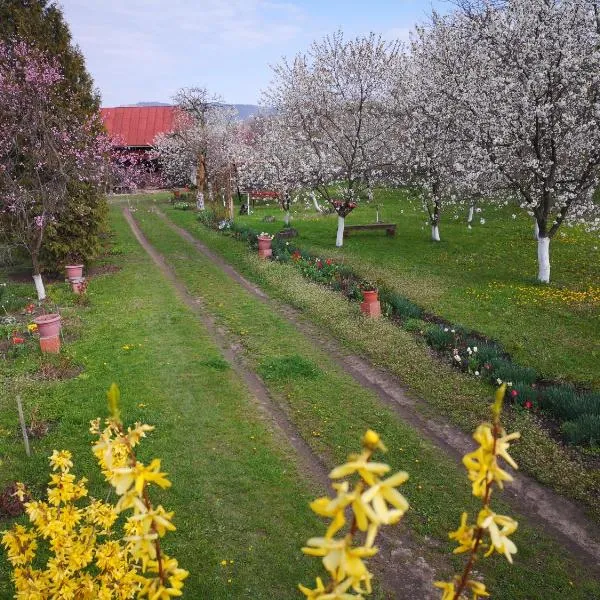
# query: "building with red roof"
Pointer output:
{"type": "Point", "coordinates": [137, 126]}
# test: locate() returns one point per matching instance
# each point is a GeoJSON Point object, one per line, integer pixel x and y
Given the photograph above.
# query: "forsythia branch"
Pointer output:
{"type": "Point", "coordinates": [373, 502]}
{"type": "Point", "coordinates": [491, 531]}
{"type": "Point", "coordinates": [86, 560]}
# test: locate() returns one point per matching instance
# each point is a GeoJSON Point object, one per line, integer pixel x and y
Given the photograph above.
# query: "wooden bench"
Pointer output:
{"type": "Point", "coordinates": [390, 228]}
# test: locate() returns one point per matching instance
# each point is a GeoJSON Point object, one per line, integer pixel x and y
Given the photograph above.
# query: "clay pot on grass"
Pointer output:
{"type": "Point", "coordinates": [370, 305]}
{"type": "Point", "coordinates": [74, 271]}
{"type": "Point", "coordinates": [49, 330]}
{"type": "Point", "coordinates": [264, 247]}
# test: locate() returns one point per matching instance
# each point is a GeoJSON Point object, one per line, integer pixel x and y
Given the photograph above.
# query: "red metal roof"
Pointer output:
{"type": "Point", "coordinates": [138, 125]}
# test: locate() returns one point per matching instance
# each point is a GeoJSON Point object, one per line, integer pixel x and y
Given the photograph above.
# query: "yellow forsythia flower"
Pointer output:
{"type": "Point", "coordinates": [491, 531]}
{"type": "Point", "coordinates": [85, 560]}
{"type": "Point", "coordinates": [373, 502]}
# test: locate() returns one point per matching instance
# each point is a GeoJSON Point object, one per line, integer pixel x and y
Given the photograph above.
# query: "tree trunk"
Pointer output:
{"type": "Point", "coordinates": [39, 286]}
{"type": "Point", "coordinates": [229, 195]}
{"type": "Point", "coordinates": [201, 175]}
{"type": "Point", "coordinates": [200, 200]}
{"type": "Point", "coordinates": [339, 240]}
{"type": "Point", "coordinates": [544, 259]}
{"type": "Point", "coordinates": [536, 230]}
{"type": "Point", "coordinates": [435, 233]}
{"type": "Point", "coordinates": [286, 218]}
{"type": "Point", "coordinates": [315, 203]}
{"type": "Point", "coordinates": [470, 219]}
{"type": "Point", "coordinates": [37, 277]}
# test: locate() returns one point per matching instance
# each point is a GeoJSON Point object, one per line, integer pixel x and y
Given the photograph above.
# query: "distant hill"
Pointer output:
{"type": "Point", "coordinates": [245, 111]}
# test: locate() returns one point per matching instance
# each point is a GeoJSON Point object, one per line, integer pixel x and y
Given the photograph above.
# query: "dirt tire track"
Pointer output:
{"type": "Point", "coordinates": [403, 571]}
{"type": "Point", "coordinates": [560, 517]}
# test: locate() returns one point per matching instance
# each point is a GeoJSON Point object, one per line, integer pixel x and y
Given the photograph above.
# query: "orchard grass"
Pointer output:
{"type": "Point", "coordinates": [450, 394]}
{"type": "Point", "coordinates": [329, 408]}
{"type": "Point", "coordinates": [237, 494]}
{"type": "Point", "coordinates": [483, 278]}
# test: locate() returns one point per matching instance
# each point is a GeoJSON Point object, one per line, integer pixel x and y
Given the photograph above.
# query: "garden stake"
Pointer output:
{"type": "Point", "coordinates": [23, 426]}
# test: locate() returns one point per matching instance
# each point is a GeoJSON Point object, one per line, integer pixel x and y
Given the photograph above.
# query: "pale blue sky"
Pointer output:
{"type": "Point", "coordinates": [145, 50]}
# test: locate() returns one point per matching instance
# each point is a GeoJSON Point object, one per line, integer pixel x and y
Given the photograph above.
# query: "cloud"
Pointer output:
{"type": "Point", "coordinates": [156, 46]}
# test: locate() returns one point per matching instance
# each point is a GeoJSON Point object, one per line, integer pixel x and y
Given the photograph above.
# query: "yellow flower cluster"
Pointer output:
{"type": "Point", "coordinates": [86, 560]}
{"type": "Point", "coordinates": [491, 531]}
{"type": "Point", "coordinates": [372, 502]}
{"type": "Point", "coordinates": [83, 563]}
{"type": "Point", "coordinates": [161, 577]}
{"type": "Point", "coordinates": [538, 294]}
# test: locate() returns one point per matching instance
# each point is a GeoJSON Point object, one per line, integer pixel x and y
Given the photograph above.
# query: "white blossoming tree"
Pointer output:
{"type": "Point", "coordinates": [435, 151]}
{"type": "Point", "coordinates": [531, 103]}
{"type": "Point", "coordinates": [205, 140]}
{"type": "Point", "coordinates": [178, 163]}
{"type": "Point", "coordinates": [334, 102]}
{"type": "Point", "coordinates": [273, 161]}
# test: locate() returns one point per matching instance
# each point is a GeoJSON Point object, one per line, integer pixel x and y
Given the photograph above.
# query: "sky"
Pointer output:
{"type": "Point", "coordinates": [145, 50]}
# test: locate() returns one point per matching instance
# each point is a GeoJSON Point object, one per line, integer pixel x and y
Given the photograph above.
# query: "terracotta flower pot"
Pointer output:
{"type": "Point", "coordinates": [264, 247]}
{"type": "Point", "coordinates": [48, 325]}
{"type": "Point", "coordinates": [370, 296]}
{"type": "Point", "coordinates": [264, 243]}
{"type": "Point", "coordinates": [74, 271]}
{"type": "Point", "coordinates": [370, 305]}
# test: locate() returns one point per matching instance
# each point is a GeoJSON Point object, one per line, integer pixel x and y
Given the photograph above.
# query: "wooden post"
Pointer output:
{"type": "Point", "coordinates": [23, 426]}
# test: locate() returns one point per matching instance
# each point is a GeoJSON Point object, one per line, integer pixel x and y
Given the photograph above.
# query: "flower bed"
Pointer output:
{"type": "Point", "coordinates": [575, 413]}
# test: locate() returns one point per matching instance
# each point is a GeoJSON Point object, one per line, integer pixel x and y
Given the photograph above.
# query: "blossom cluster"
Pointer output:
{"type": "Point", "coordinates": [490, 533]}
{"type": "Point", "coordinates": [79, 539]}
{"type": "Point", "coordinates": [84, 556]}
{"type": "Point", "coordinates": [373, 502]}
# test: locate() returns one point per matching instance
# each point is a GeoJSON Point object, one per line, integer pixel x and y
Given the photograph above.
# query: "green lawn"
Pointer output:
{"type": "Point", "coordinates": [483, 278]}
{"type": "Point", "coordinates": [230, 476]}
{"type": "Point", "coordinates": [329, 410]}
{"type": "Point", "coordinates": [237, 492]}
{"type": "Point", "coordinates": [452, 395]}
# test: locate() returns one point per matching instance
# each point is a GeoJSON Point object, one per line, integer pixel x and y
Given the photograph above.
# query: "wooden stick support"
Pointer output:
{"type": "Point", "coordinates": [23, 426]}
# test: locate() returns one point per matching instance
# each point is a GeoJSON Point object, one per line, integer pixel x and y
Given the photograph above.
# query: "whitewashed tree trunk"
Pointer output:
{"type": "Point", "coordinates": [435, 233]}
{"type": "Point", "coordinates": [536, 230]}
{"type": "Point", "coordinates": [315, 203]}
{"type": "Point", "coordinates": [339, 240]}
{"type": "Point", "coordinates": [471, 210]}
{"type": "Point", "coordinates": [200, 201]}
{"type": "Point", "coordinates": [286, 218]}
{"type": "Point", "coordinates": [370, 194]}
{"type": "Point", "coordinates": [544, 259]}
{"type": "Point", "coordinates": [211, 196]}
{"type": "Point", "coordinates": [39, 286]}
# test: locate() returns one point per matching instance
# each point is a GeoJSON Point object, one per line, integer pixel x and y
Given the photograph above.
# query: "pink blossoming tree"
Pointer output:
{"type": "Point", "coordinates": [42, 150]}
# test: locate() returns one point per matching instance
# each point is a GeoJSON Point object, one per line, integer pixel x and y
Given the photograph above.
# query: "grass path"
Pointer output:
{"type": "Point", "coordinates": [315, 392]}
{"type": "Point", "coordinates": [237, 493]}
{"type": "Point", "coordinates": [443, 391]}
{"type": "Point", "coordinates": [410, 580]}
